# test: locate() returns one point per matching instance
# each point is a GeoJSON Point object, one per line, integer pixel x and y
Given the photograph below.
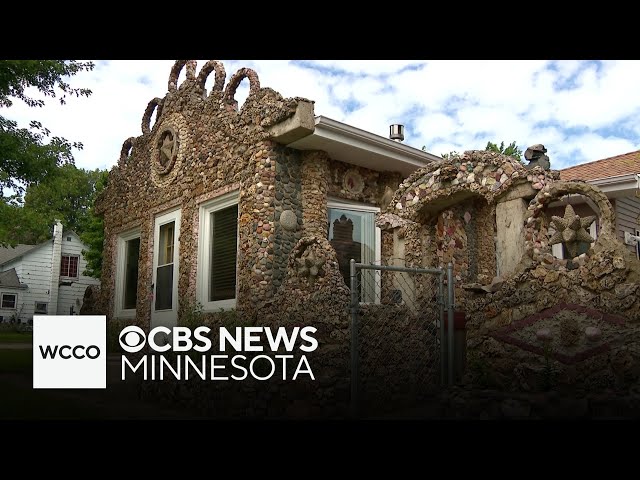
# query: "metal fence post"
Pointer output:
{"type": "Point", "coordinates": [450, 307]}
{"type": "Point", "coordinates": [354, 339]}
{"type": "Point", "coordinates": [441, 307]}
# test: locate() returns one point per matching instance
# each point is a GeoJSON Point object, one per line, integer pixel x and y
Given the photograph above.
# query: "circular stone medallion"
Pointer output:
{"type": "Point", "coordinates": [168, 145]}
{"type": "Point", "coordinates": [353, 181]}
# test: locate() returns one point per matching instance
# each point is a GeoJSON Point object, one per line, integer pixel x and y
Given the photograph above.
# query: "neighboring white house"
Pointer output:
{"type": "Point", "coordinates": [44, 279]}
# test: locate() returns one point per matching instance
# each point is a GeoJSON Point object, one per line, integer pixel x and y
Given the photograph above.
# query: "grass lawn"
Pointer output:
{"type": "Point", "coordinates": [16, 337]}
{"type": "Point", "coordinates": [19, 400]}
{"type": "Point", "coordinates": [16, 361]}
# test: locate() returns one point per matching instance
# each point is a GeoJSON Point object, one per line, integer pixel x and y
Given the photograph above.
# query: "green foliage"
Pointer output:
{"type": "Point", "coordinates": [479, 369]}
{"type": "Point", "coordinates": [67, 194]}
{"type": "Point", "coordinates": [92, 232]}
{"type": "Point", "coordinates": [548, 373]}
{"type": "Point", "coordinates": [114, 327]}
{"type": "Point", "coordinates": [510, 150]}
{"type": "Point", "coordinates": [27, 155]}
{"type": "Point", "coordinates": [191, 315]}
{"type": "Point", "coordinates": [446, 156]}
{"type": "Point", "coordinates": [45, 75]}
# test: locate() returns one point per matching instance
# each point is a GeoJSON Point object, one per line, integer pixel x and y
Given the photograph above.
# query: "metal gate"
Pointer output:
{"type": "Point", "coordinates": [398, 335]}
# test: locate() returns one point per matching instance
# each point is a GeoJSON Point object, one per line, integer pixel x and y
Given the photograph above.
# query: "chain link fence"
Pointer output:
{"type": "Point", "coordinates": [398, 328]}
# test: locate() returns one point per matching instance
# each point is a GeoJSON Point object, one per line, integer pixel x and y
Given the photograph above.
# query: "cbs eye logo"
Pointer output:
{"type": "Point", "coordinates": [132, 339]}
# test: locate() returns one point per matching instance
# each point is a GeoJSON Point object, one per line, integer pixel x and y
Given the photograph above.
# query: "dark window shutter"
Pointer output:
{"type": "Point", "coordinates": [224, 249]}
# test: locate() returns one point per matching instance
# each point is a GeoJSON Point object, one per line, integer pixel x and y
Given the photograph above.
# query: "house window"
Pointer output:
{"type": "Point", "coordinates": [127, 273]}
{"type": "Point", "coordinates": [638, 245]}
{"type": "Point", "coordinates": [218, 252]}
{"type": "Point", "coordinates": [41, 307]}
{"type": "Point", "coordinates": [69, 266]}
{"type": "Point", "coordinates": [9, 300]}
{"type": "Point", "coordinates": [353, 235]}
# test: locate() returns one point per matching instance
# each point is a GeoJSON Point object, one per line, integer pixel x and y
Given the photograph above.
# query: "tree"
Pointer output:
{"type": "Point", "coordinates": [27, 155]}
{"type": "Point", "coordinates": [511, 150]}
{"type": "Point", "coordinates": [93, 232]}
{"type": "Point", "coordinates": [67, 194]}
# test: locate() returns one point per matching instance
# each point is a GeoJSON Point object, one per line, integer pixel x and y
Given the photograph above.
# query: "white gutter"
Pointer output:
{"type": "Point", "coordinates": [632, 178]}
{"type": "Point", "coordinates": [619, 185]}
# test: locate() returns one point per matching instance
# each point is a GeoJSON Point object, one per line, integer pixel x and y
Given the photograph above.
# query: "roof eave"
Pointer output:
{"type": "Point", "coordinates": [357, 134]}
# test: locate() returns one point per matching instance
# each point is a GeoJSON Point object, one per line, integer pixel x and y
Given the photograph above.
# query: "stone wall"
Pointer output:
{"type": "Point", "coordinates": [546, 323]}
{"type": "Point", "coordinates": [560, 323]}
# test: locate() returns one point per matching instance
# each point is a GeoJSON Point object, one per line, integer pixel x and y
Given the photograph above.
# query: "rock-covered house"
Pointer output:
{"type": "Point", "coordinates": [258, 209]}
{"type": "Point", "coordinates": [207, 205]}
{"type": "Point", "coordinates": [43, 279]}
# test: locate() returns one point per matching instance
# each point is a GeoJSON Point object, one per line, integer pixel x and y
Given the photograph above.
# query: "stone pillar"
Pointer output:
{"type": "Point", "coordinates": [315, 173]}
{"type": "Point", "coordinates": [510, 236]}
{"type": "Point", "coordinates": [256, 230]}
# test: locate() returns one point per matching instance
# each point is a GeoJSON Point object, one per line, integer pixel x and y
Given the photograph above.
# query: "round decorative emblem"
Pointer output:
{"type": "Point", "coordinates": [288, 220]}
{"type": "Point", "coordinates": [353, 181]}
{"type": "Point", "coordinates": [167, 147]}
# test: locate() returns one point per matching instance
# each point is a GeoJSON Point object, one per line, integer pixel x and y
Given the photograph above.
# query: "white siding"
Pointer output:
{"type": "Point", "coordinates": [7, 313]}
{"type": "Point", "coordinates": [627, 217]}
{"type": "Point", "coordinates": [34, 269]}
{"type": "Point", "coordinates": [71, 295]}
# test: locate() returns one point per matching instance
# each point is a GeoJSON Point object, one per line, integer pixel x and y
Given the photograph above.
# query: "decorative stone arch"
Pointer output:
{"type": "Point", "coordinates": [234, 82]}
{"type": "Point", "coordinates": [220, 77]}
{"type": "Point", "coordinates": [536, 242]}
{"type": "Point", "coordinates": [125, 152]}
{"type": "Point", "coordinates": [477, 172]}
{"type": "Point", "coordinates": [154, 104]}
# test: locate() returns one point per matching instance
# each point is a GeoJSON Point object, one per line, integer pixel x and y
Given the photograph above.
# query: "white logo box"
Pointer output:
{"type": "Point", "coordinates": [74, 347]}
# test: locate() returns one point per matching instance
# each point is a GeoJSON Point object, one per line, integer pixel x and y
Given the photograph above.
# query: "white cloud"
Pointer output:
{"type": "Point", "coordinates": [574, 108]}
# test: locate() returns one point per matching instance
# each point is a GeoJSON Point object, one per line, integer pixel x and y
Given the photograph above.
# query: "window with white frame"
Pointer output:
{"type": "Point", "coordinates": [9, 300]}
{"type": "Point", "coordinates": [69, 266]}
{"type": "Point", "coordinates": [218, 252]}
{"type": "Point", "coordinates": [128, 256]}
{"type": "Point", "coordinates": [353, 235]}
{"type": "Point", "coordinates": [41, 308]}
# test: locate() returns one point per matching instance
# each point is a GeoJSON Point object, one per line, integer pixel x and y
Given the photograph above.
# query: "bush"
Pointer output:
{"type": "Point", "coordinates": [114, 327]}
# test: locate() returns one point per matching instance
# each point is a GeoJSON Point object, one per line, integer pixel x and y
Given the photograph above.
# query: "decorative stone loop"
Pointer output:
{"type": "Point", "coordinates": [559, 189]}
{"type": "Point", "coordinates": [220, 77]}
{"type": "Point", "coordinates": [191, 69]}
{"type": "Point", "coordinates": [234, 82]}
{"type": "Point", "coordinates": [126, 149]}
{"type": "Point", "coordinates": [146, 118]}
{"type": "Point", "coordinates": [175, 73]}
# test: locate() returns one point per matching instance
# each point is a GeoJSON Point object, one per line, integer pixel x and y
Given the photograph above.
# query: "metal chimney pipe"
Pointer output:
{"type": "Point", "coordinates": [396, 132]}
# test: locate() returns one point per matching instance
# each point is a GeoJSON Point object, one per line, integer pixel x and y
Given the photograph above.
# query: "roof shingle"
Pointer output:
{"type": "Point", "coordinates": [624, 164]}
{"type": "Point", "coordinates": [9, 253]}
{"type": "Point", "coordinates": [10, 279]}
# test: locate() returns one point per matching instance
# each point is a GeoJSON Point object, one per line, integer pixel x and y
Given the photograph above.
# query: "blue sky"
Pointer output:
{"type": "Point", "coordinates": [580, 110]}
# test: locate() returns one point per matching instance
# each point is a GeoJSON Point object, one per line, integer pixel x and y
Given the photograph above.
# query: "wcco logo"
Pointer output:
{"type": "Point", "coordinates": [79, 351]}
{"type": "Point", "coordinates": [69, 351]}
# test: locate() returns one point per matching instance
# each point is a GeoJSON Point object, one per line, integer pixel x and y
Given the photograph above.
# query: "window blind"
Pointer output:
{"type": "Point", "coordinates": [224, 249]}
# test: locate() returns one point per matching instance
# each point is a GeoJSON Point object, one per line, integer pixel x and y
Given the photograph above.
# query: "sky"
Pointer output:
{"type": "Point", "coordinates": [580, 111]}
